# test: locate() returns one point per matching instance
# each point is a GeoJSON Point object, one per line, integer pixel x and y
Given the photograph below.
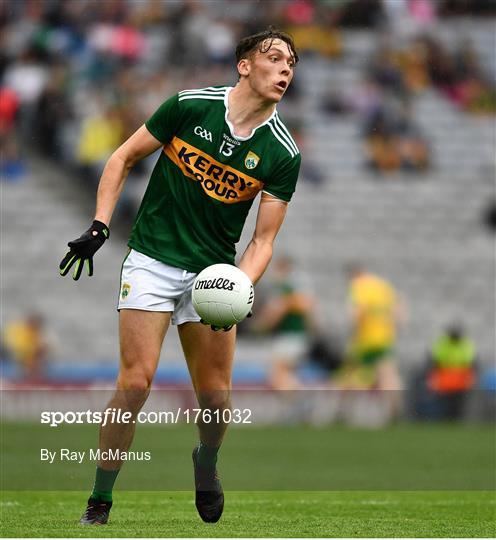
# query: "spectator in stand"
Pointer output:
{"type": "Point", "coordinates": [51, 113]}
{"type": "Point", "coordinates": [27, 78]}
{"type": "Point", "coordinates": [29, 344]}
{"type": "Point", "coordinates": [466, 60]}
{"type": "Point", "coordinates": [452, 372]}
{"type": "Point", "coordinates": [367, 100]}
{"type": "Point", "coordinates": [410, 143]}
{"type": "Point", "coordinates": [441, 67]}
{"type": "Point", "coordinates": [478, 97]}
{"type": "Point", "coordinates": [380, 148]}
{"type": "Point", "coordinates": [11, 164]}
{"type": "Point", "coordinates": [413, 62]}
{"type": "Point", "coordinates": [393, 141]}
{"type": "Point", "coordinates": [9, 106]}
{"type": "Point", "coordinates": [12, 167]}
{"type": "Point", "coordinates": [460, 78]}
{"type": "Point", "coordinates": [334, 103]}
{"type": "Point", "coordinates": [384, 70]}
{"type": "Point", "coordinates": [101, 132]}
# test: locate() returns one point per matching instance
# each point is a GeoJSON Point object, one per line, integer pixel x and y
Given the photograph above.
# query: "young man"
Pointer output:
{"type": "Point", "coordinates": [221, 147]}
{"type": "Point", "coordinates": [289, 315]}
{"type": "Point", "coordinates": [376, 309]}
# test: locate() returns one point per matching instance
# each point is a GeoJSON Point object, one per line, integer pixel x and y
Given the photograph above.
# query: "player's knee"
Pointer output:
{"type": "Point", "coordinates": [135, 381]}
{"type": "Point", "coordinates": [215, 399]}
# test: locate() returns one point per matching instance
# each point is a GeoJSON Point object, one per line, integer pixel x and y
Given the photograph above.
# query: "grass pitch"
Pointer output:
{"type": "Point", "coordinates": [410, 480]}
{"type": "Point", "coordinates": [257, 514]}
{"type": "Point", "coordinates": [405, 457]}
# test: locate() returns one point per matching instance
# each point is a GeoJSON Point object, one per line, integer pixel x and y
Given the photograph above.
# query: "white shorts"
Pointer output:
{"type": "Point", "coordinates": [290, 347]}
{"type": "Point", "coordinates": [152, 285]}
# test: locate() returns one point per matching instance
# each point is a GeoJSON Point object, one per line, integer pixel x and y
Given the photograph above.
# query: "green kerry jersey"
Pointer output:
{"type": "Point", "coordinates": [206, 178]}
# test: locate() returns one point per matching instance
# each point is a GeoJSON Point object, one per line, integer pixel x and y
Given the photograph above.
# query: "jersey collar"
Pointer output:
{"type": "Point", "coordinates": [231, 127]}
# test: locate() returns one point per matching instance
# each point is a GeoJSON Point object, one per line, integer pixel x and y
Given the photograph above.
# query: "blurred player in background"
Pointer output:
{"type": "Point", "coordinates": [288, 316]}
{"type": "Point", "coordinates": [375, 310]}
{"type": "Point", "coordinates": [221, 147]}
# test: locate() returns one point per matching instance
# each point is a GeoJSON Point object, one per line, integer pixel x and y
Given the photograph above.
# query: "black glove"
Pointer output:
{"type": "Point", "coordinates": [82, 250]}
{"type": "Point", "coordinates": [217, 328]}
{"type": "Point", "coordinates": [223, 328]}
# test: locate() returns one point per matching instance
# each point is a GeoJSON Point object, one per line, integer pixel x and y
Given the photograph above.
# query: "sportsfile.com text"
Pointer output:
{"type": "Point", "coordinates": [118, 416]}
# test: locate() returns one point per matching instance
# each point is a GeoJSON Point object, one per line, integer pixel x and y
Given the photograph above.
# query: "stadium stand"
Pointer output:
{"type": "Point", "coordinates": [423, 233]}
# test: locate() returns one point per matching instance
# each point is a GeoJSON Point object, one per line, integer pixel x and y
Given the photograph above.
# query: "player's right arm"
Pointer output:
{"type": "Point", "coordinates": [141, 144]}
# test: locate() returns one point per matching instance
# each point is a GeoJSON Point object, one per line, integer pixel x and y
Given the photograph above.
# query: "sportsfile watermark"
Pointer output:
{"type": "Point", "coordinates": [113, 415]}
{"type": "Point", "coordinates": [306, 440]}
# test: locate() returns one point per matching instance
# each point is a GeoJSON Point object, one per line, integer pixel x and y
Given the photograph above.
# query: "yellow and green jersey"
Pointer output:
{"type": "Point", "coordinates": [374, 300]}
{"type": "Point", "coordinates": [206, 178]}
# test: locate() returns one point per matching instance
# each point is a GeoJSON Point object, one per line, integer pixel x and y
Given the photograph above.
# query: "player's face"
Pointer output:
{"type": "Point", "coordinates": [271, 72]}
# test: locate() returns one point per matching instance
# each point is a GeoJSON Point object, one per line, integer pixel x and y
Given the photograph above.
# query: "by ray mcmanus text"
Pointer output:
{"type": "Point", "coordinates": [92, 454]}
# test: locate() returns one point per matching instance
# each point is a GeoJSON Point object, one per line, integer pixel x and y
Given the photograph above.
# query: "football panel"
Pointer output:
{"type": "Point", "coordinates": [216, 313]}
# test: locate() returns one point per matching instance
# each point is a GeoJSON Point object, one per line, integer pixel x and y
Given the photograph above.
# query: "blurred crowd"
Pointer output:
{"type": "Point", "coordinates": [77, 77]}
{"type": "Point", "coordinates": [402, 67]}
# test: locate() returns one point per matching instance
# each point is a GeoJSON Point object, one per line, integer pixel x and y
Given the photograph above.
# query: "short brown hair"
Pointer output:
{"type": "Point", "coordinates": [248, 45]}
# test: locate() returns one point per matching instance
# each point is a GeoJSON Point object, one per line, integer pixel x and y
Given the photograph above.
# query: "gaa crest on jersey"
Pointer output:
{"type": "Point", "coordinates": [125, 290]}
{"type": "Point", "coordinates": [251, 160]}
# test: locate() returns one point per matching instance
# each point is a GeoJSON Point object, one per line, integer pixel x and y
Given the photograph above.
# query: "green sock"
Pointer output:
{"type": "Point", "coordinates": [207, 456]}
{"type": "Point", "coordinates": [104, 482]}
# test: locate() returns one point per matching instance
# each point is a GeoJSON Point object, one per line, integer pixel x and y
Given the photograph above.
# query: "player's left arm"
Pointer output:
{"type": "Point", "coordinates": [256, 258]}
